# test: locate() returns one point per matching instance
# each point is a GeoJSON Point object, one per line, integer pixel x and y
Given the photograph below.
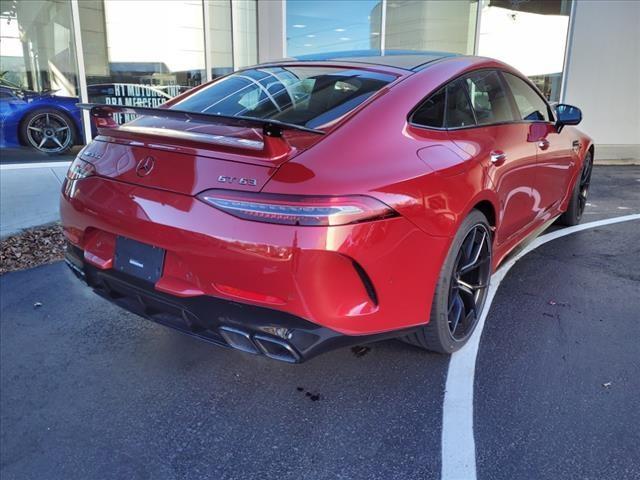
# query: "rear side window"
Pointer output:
{"type": "Point", "coordinates": [448, 107]}
{"type": "Point", "coordinates": [489, 98]}
{"type": "Point", "coordinates": [431, 112]}
{"type": "Point", "coordinates": [530, 106]}
{"type": "Point", "coordinates": [303, 95]}
{"type": "Point", "coordinates": [459, 113]}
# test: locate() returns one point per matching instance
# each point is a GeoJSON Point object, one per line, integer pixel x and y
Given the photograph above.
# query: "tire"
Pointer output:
{"type": "Point", "coordinates": [48, 131]}
{"type": "Point", "coordinates": [437, 335]}
{"type": "Point", "coordinates": [578, 201]}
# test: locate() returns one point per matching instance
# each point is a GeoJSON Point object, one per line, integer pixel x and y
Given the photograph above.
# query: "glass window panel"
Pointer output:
{"type": "Point", "coordinates": [317, 26]}
{"type": "Point", "coordinates": [245, 33]}
{"type": "Point", "coordinates": [459, 113]}
{"type": "Point", "coordinates": [306, 96]}
{"type": "Point", "coordinates": [447, 26]}
{"type": "Point", "coordinates": [431, 112]}
{"type": "Point", "coordinates": [138, 54]}
{"type": "Point", "coordinates": [38, 77]}
{"type": "Point", "coordinates": [37, 48]}
{"type": "Point", "coordinates": [489, 98]}
{"type": "Point", "coordinates": [531, 36]}
{"type": "Point", "coordinates": [530, 105]}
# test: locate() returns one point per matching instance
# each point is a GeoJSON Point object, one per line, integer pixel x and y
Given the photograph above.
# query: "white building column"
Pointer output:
{"type": "Point", "coordinates": [82, 77]}
{"type": "Point", "coordinates": [272, 40]}
{"type": "Point", "coordinates": [603, 74]}
{"type": "Point", "coordinates": [208, 54]}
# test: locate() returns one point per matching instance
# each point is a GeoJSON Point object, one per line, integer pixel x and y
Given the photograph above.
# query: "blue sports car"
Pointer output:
{"type": "Point", "coordinates": [53, 123]}
{"type": "Point", "coordinates": [47, 122]}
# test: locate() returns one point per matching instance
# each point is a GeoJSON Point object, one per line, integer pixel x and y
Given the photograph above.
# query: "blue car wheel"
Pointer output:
{"type": "Point", "coordinates": [49, 131]}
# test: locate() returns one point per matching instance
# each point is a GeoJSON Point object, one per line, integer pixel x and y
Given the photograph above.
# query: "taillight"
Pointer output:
{"type": "Point", "coordinates": [298, 210]}
{"type": "Point", "coordinates": [105, 122]}
{"type": "Point", "coordinates": [104, 119]}
{"type": "Point", "coordinates": [80, 169]}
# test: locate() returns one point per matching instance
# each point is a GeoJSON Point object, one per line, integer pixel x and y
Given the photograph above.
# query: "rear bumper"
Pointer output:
{"type": "Point", "coordinates": [361, 279]}
{"type": "Point", "coordinates": [251, 329]}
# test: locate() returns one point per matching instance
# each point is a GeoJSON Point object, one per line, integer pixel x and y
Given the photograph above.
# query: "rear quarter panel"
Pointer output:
{"type": "Point", "coordinates": [378, 153]}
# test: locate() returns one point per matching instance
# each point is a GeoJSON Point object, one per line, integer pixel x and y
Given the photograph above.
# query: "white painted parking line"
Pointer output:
{"type": "Point", "coordinates": [458, 442]}
{"type": "Point", "coordinates": [22, 166]}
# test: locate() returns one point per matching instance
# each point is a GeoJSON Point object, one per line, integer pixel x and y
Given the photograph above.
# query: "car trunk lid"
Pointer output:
{"type": "Point", "coordinates": [188, 153]}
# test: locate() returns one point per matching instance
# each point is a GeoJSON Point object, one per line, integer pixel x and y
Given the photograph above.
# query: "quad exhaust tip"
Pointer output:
{"type": "Point", "coordinates": [276, 349]}
{"type": "Point", "coordinates": [238, 339]}
{"type": "Point", "coordinates": [271, 347]}
{"type": "Point", "coordinates": [258, 343]}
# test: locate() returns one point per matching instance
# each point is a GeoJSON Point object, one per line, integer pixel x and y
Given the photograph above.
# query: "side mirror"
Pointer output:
{"type": "Point", "coordinates": [567, 115]}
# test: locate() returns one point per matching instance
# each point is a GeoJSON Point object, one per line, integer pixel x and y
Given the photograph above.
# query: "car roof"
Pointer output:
{"type": "Point", "coordinates": [410, 60]}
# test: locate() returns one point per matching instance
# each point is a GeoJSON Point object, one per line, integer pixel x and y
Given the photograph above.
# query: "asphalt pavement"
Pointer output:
{"type": "Point", "coordinates": [90, 391]}
{"type": "Point", "coordinates": [558, 373]}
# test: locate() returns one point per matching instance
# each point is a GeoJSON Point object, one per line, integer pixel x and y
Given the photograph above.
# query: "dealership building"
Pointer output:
{"type": "Point", "coordinates": [142, 52]}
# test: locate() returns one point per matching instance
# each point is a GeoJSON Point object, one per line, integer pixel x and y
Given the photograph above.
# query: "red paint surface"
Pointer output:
{"type": "Point", "coordinates": [432, 178]}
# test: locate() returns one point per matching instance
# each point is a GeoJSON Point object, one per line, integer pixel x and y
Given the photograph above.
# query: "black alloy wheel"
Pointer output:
{"type": "Point", "coordinates": [461, 290]}
{"type": "Point", "coordinates": [579, 195]}
{"type": "Point", "coordinates": [469, 283]}
{"type": "Point", "coordinates": [585, 181]}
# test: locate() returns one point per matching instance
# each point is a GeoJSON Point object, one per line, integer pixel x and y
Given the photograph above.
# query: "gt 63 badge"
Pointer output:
{"type": "Point", "coordinates": [238, 180]}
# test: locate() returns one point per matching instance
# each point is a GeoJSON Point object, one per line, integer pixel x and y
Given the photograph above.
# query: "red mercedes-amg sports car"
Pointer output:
{"type": "Point", "coordinates": [302, 205]}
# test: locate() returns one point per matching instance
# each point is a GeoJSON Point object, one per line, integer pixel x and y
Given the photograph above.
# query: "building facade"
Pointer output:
{"type": "Point", "coordinates": [142, 52]}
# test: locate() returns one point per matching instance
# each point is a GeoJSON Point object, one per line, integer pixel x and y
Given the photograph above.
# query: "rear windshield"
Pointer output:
{"type": "Point", "coordinates": [305, 96]}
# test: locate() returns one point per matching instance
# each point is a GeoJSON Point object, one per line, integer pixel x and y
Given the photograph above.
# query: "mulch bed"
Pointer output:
{"type": "Point", "coordinates": [31, 248]}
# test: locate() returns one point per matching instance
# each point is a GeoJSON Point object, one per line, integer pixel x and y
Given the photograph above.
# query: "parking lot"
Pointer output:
{"type": "Point", "coordinates": [90, 391]}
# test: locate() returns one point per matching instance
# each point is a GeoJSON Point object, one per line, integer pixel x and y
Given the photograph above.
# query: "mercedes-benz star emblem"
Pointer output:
{"type": "Point", "coordinates": [145, 166]}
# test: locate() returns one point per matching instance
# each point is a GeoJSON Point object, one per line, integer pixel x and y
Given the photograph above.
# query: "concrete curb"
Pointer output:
{"type": "Point", "coordinates": [620, 162]}
{"type": "Point", "coordinates": [23, 166]}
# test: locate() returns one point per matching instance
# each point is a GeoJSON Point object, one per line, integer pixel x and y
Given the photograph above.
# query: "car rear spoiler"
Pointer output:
{"type": "Point", "coordinates": [274, 144]}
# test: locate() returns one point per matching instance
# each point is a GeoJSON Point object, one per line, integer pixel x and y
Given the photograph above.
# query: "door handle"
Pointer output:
{"type": "Point", "coordinates": [498, 157]}
{"type": "Point", "coordinates": [543, 144]}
